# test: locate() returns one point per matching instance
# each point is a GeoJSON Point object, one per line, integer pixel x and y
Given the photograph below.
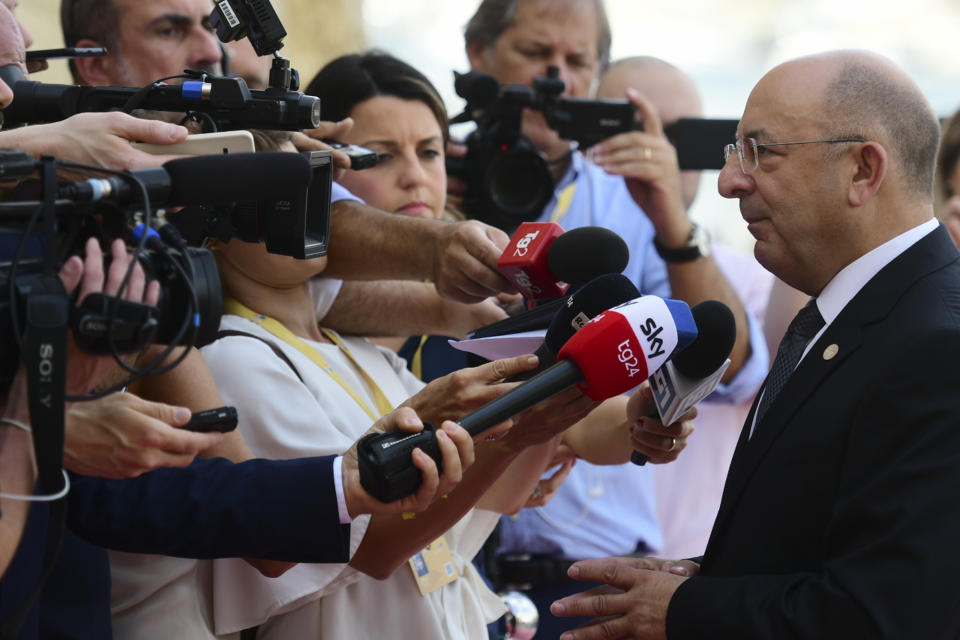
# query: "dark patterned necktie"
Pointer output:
{"type": "Point", "coordinates": [804, 326]}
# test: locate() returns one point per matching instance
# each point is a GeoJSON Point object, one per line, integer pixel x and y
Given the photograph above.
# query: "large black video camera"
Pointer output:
{"type": "Point", "coordinates": [282, 199]}
{"type": "Point", "coordinates": [41, 228]}
{"type": "Point", "coordinates": [508, 180]}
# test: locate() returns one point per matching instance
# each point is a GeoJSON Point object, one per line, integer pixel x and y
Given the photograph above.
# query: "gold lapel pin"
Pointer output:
{"type": "Point", "coordinates": [830, 352]}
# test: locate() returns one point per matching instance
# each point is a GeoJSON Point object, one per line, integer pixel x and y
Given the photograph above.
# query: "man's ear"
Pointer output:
{"type": "Point", "coordinates": [872, 162]}
{"type": "Point", "coordinates": [476, 51]}
{"type": "Point", "coordinates": [97, 70]}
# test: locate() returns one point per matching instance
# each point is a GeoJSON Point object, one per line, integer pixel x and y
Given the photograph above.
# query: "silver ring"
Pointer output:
{"type": "Point", "coordinates": [673, 444]}
{"type": "Point", "coordinates": [537, 492]}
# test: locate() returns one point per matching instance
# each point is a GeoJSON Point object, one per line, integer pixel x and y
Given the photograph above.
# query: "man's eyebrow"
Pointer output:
{"type": "Point", "coordinates": [178, 20]}
{"type": "Point", "coordinates": [757, 134]}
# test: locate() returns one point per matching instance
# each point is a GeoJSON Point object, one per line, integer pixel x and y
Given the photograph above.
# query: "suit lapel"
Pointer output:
{"type": "Point", "coordinates": [870, 305]}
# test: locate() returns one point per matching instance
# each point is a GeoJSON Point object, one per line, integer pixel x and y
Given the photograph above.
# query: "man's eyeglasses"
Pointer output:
{"type": "Point", "coordinates": [747, 150]}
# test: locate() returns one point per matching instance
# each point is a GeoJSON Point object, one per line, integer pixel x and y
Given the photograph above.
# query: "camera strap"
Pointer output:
{"type": "Point", "coordinates": [44, 352]}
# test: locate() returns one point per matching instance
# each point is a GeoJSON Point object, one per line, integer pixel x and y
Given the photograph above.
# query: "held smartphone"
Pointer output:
{"type": "Point", "coordinates": [203, 144]}
{"type": "Point", "coordinates": [222, 419]}
{"type": "Point", "coordinates": [360, 157]}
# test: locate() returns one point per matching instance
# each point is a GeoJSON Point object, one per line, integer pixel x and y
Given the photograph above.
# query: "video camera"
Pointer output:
{"type": "Point", "coordinates": [508, 180]}
{"type": "Point", "coordinates": [220, 103]}
{"type": "Point", "coordinates": [282, 199]}
{"type": "Point", "coordinates": [189, 308]}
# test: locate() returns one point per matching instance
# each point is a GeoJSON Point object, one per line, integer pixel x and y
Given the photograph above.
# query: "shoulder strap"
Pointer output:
{"type": "Point", "coordinates": [277, 350]}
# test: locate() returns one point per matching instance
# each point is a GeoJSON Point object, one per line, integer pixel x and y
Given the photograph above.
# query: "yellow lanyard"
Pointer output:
{"type": "Point", "coordinates": [563, 202]}
{"type": "Point", "coordinates": [416, 362]}
{"type": "Point", "coordinates": [277, 329]}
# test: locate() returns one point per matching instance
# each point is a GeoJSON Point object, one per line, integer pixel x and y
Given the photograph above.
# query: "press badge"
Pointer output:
{"type": "Point", "coordinates": [433, 567]}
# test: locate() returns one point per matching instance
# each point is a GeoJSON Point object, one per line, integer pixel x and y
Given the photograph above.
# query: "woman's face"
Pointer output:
{"type": "Point", "coordinates": [410, 177]}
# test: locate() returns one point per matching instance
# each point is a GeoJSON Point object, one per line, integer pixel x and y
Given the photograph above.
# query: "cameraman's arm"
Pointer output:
{"type": "Point", "coordinates": [398, 308]}
{"type": "Point", "coordinates": [101, 139]}
{"type": "Point", "coordinates": [459, 257]}
{"type": "Point", "coordinates": [648, 163]}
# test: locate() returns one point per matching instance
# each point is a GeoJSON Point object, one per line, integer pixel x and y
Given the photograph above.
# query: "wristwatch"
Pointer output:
{"type": "Point", "coordinates": [696, 246]}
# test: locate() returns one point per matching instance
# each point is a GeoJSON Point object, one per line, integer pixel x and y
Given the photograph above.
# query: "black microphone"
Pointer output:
{"type": "Point", "coordinates": [578, 308]}
{"type": "Point", "coordinates": [693, 374]}
{"type": "Point", "coordinates": [207, 179]}
{"type": "Point", "coordinates": [582, 254]}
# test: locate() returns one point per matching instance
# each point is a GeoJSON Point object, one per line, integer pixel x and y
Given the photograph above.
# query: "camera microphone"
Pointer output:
{"type": "Point", "coordinates": [210, 180]}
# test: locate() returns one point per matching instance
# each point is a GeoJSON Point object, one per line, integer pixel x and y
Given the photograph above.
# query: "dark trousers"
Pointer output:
{"type": "Point", "coordinates": [550, 626]}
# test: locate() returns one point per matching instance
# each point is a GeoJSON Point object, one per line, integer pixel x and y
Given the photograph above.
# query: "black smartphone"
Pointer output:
{"type": "Point", "coordinates": [360, 157]}
{"type": "Point", "coordinates": [700, 142]}
{"type": "Point", "coordinates": [66, 52]}
{"type": "Point", "coordinates": [222, 419]}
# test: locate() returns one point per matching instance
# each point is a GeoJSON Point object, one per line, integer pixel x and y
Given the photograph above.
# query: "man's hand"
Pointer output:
{"type": "Point", "coordinates": [312, 140]}
{"type": "Point", "coordinates": [100, 139]}
{"type": "Point", "coordinates": [547, 488]}
{"type": "Point", "coordinates": [634, 605]}
{"type": "Point", "coordinates": [648, 434]}
{"type": "Point", "coordinates": [457, 394]}
{"type": "Point", "coordinates": [648, 163]}
{"type": "Point", "coordinates": [465, 261]}
{"type": "Point", "coordinates": [547, 419]}
{"type": "Point", "coordinates": [456, 451]}
{"type": "Point", "coordinates": [122, 436]}
{"type": "Point", "coordinates": [84, 370]}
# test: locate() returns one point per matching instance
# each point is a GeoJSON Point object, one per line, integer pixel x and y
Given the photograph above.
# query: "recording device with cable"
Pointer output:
{"type": "Point", "coordinates": [613, 353]}
{"type": "Point", "coordinates": [508, 180]}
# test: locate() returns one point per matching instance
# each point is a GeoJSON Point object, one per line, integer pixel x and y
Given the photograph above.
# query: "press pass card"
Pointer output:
{"type": "Point", "coordinates": [433, 567]}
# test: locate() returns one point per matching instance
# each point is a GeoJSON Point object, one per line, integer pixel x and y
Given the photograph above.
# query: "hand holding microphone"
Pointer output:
{"type": "Point", "coordinates": [610, 355]}
{"type": "Point", "coordinates": [694, 373]}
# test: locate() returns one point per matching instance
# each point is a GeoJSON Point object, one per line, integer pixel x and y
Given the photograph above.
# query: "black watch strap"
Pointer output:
{"type": "Point", "coordinates": [689, 252]}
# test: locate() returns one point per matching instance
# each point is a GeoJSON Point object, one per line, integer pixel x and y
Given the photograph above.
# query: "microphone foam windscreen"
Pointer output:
{"type": "Point", "coordinates": [582, 254]}
{"type": "Point", "coordinates": [237, 177]}
{"type": "Point", "coordinates": [716, 333]}
{"type": "Point", "coordinates": [598, 295]}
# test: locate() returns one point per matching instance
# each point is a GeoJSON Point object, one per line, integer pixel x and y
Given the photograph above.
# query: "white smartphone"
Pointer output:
{"type": "Point", "coordinates": [203, 144]}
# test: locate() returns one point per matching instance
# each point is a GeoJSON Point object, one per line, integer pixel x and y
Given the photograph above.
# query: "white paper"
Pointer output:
{"type": "Point", "coordinates": [507, 346]}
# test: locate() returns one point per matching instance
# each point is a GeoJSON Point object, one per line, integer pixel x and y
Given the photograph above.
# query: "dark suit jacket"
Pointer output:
{"type": "Point", "coordinates": [840, 517]}
{"type": "Point", "coordinates": [278, 509]}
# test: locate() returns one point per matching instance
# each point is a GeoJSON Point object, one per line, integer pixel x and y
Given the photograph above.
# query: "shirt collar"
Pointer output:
{"type": "Point", "coordinates": [847, 283]}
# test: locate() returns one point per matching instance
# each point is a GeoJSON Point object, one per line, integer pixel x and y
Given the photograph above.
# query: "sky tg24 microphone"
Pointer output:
{"type": "Point", "coordinates": [610, 355]}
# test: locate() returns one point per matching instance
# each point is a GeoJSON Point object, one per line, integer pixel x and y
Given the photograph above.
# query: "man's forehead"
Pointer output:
{"type": "Point", "coordinates": [139, 9]}
{"type": "Point", "coordinates": [537, 19]}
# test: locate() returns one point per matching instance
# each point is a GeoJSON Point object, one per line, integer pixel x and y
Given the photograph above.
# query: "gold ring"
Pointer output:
{"type": "Point", "coordinates": [673, 444]}
{"type": "Point", "coordinates": [647, 153]}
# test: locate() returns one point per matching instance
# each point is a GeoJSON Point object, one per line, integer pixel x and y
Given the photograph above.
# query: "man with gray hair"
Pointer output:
{"type": "Point", "coordinates": [838, 517]}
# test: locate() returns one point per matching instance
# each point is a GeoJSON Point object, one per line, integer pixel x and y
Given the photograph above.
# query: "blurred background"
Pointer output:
{"type": "Point", "coordinates": [725, 45]}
